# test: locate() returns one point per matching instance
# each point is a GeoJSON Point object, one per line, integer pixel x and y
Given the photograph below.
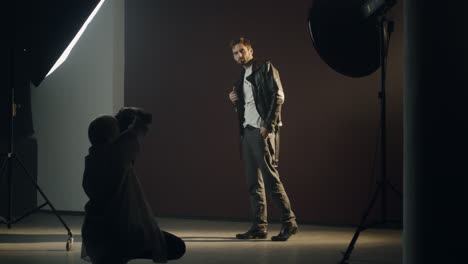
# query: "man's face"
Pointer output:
{"type": "Point", "coordinates": [242, 54]}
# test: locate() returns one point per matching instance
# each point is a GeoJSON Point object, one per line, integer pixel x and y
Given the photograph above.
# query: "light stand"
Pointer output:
{"type": "Point", "coordinates": [10, 158]}
{"type": "Point", "coordinates": [383, 182]}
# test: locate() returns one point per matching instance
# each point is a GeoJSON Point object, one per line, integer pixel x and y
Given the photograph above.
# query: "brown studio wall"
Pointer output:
{"type": "Point", "coordinates": [179, 67]}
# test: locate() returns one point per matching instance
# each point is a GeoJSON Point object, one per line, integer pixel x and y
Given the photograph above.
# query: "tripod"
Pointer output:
{"type": "Point", "coordinates": [6, 169]}
{"type": "Point", "coordinates": [382, 183]}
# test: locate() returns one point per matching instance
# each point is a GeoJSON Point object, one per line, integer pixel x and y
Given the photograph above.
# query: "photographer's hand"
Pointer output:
{"type": "Point", "coordinates": [145, 116]}
{"type": "Point", "coordinates": [138, 126]}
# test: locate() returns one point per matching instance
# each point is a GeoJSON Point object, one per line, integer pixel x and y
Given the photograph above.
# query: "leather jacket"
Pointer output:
{"type": "Point", "coordinates": [269, 97]}
{"type": "Point", "coordinates": [267, 91]}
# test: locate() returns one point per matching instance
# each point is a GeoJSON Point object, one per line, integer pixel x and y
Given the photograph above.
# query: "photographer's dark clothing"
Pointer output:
{"type": "Point", "coordinates": [261, 154]}
{"type": "Point", "coordinates": [119, 224]}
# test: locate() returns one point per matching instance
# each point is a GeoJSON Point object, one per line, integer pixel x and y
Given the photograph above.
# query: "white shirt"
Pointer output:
{"type": "Point", "coordinates": [251, 115]}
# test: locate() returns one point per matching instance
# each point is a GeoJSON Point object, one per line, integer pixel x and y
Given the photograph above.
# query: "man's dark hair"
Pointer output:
{"type": "Point", "coordinates": [102, 129]}
{"type": "Point", "coordinates": [240, 40]}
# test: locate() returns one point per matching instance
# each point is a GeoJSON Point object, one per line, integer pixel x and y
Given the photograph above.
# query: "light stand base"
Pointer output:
{"type": "Point", "coordinates": [362, 225]}
{"type": "Point", "coordinates": [6, 169]}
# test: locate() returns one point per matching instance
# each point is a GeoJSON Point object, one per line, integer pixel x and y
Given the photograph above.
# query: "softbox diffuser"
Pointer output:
{"type": "Point", "coordinates": [344, 38]}
{"type": "Point", "coordinates": [55, 23]}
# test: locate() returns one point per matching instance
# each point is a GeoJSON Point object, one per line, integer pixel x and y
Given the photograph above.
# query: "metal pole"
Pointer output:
{"type": "Point", "coordinates": [383, 141]}
{"type": "Point", "coordinates": [9, 169]}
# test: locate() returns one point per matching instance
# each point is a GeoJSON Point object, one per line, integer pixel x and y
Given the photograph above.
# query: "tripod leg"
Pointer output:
{"type": "Point", "coordinates": [9, 172]}
{"type": "Point", "coordinates": [70, 234]}
{"type": "Point", "coordinates": [2, 171]}
{"type": "Point", "coordinates": [361, 226]}
{"type": "Point", "coordinates": [3, 166]}
{"type": "Point", "coordinates": [395, 190]}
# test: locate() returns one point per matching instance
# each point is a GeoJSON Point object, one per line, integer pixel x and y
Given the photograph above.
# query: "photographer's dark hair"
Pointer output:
{"type": "Point", "coordinates": [102, 129]}
{"type": "Point", "coordinates": [240, 40]}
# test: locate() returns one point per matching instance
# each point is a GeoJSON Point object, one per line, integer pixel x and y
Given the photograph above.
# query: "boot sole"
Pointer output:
{"type": "Point", "coordinates": [275, 238]}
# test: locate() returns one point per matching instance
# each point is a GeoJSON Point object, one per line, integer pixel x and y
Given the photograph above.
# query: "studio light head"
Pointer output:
{"type": "Point", "coordinates": [343, 38]}
{"type": "Point", "coordinates": [346, 35]}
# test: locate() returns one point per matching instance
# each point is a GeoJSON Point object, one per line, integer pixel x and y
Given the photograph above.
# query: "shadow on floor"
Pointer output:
{"type": "Point", "coordinates": [37, 238]}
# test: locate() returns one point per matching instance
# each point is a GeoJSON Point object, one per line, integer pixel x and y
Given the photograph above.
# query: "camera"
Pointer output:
{"type": "Point", "coordinates": [126, 116]}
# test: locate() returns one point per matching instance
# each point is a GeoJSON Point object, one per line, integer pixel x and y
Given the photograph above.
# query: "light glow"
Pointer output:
{"type": "Point", "coordinates": [67, 51]}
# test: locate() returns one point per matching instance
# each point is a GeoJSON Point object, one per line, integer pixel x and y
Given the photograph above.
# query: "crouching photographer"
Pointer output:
{"type": "Point", "coordinates": [119, 224]}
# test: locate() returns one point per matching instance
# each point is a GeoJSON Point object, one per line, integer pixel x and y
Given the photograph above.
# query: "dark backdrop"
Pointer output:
{"type": "Point", "coordinates": [179, 67]}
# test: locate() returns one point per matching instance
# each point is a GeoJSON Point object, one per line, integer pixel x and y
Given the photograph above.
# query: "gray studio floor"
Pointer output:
{"type": "Point", "coordinates": [40, 238]}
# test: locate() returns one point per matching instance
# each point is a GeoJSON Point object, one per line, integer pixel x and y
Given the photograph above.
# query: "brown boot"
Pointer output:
{"type": "Point", "coordinates": [287, 230]}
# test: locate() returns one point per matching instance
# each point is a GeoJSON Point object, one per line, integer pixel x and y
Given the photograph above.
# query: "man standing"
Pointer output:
{"type": "Point", "coordinates": [258, 97]}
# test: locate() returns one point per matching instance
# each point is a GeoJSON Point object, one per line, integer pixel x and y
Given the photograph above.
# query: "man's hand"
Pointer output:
{"type": "Point", "coordinates": [264, 132]}
{"type": "Point", "coordinates": [233, 95]}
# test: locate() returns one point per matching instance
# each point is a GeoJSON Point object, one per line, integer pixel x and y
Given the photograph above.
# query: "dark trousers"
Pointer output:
{"type": "Point", "coordinates": [175, 250]}
{"type": "Point", "coordinates": [261, 175]}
